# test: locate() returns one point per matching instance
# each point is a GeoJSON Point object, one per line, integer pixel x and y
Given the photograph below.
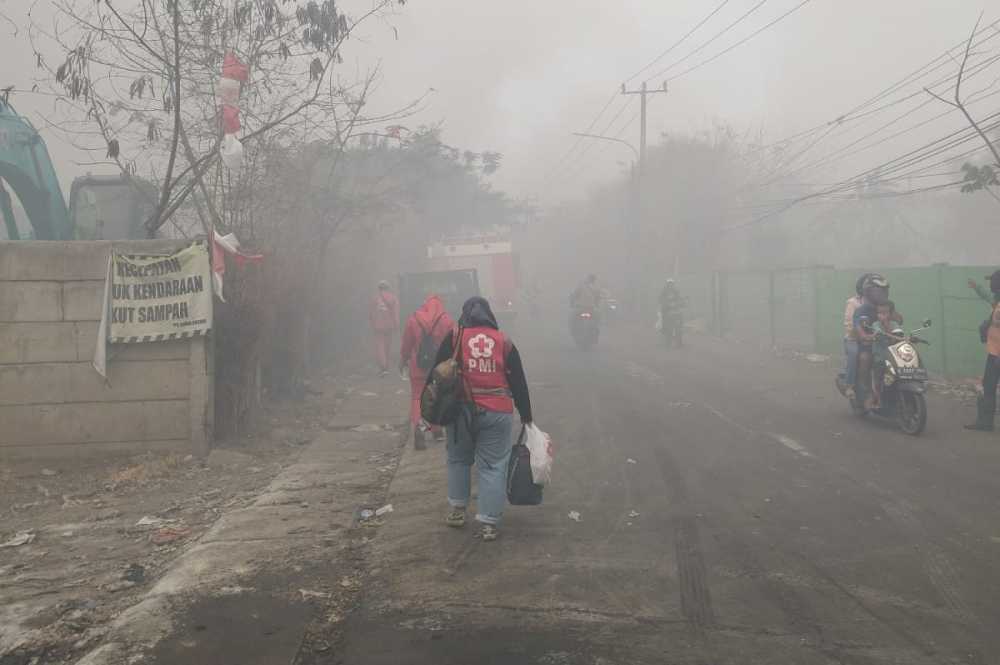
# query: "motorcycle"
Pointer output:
{"type": "Point", "coordinates": [585, 329]}
{"type": "Point", "coordinates": [904, 384]}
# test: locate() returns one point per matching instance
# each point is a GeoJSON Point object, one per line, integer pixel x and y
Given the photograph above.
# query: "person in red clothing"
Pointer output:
{"type": "Point", "coordinates": [384, 319]}
{"type": "Point", "coordinates": [425, 329]}
{"type": "Point", "coordinates": [495, 383]}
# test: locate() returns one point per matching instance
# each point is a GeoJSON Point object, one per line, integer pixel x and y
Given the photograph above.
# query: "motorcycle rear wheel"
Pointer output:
{"type": "Point", "coordinates": [911, 413]}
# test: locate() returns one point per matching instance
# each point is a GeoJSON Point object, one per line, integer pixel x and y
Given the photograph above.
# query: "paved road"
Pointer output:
{"type": "Point", "coordinates": [732, 512]}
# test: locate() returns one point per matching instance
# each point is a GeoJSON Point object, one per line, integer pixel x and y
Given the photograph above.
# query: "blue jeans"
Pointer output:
{"type": "Point", "coordinates": [483, 438]}
{"type": "Point", "coordinates": [850, 361]}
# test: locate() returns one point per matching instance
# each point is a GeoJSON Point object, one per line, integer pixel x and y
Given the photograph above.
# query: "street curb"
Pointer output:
{"type": "Point", "coordinates": [242, 541]}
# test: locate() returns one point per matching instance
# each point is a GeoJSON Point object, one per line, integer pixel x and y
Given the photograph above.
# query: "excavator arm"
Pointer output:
{"type": "Point", "coordinates": [26, 168]}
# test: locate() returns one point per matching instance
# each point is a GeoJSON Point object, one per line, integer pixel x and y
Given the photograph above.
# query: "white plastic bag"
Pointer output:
{"type": "Point", "coordinates": [232, 152]}
{"type": "Point", "coordinates": [542, 454]}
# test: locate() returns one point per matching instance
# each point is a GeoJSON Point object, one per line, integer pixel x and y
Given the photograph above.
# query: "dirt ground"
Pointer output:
{"type": "Point", "coordinates": [101, 531]}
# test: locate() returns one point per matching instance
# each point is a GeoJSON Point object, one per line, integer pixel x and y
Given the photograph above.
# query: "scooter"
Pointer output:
{"type": "Point", "coordinates": [585, 329]}
{"type": "Point", "coordinates": [904, 384]}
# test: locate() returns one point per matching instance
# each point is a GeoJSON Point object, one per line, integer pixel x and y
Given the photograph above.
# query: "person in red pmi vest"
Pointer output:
{"type": "Point", "coordinates": [495, 383]}
{"type": "Point", "coordinates": [426, 328]}
{"type": "Point", "coordinates": [384, 319]}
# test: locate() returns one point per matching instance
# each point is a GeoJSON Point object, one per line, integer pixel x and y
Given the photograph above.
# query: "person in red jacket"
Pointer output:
{"type": "Point", "coordinates": [495, 382]}
{"type": "Point", "coordinates": [384, 319]}
{"type": "Point", "coordinates": [425, 329]}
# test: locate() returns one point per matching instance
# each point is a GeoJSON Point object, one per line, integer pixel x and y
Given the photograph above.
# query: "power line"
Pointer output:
{"type": "Point", "coordinates": [741, 42]}
{"type": "Point", "coordinates": [574, 170]}
{"type": "Point", "coordinates": [709, 42]}
{"type": "Point", "coordinates": [680, 41]}
{"type": "Point", "coordinates": [885, 92]}
{"type": "Point", "coordinates": [832, 157]}
{"type": "Point", "coordinates": [579, 140]}
{"type": "Point", "coordinates": [907, 159]}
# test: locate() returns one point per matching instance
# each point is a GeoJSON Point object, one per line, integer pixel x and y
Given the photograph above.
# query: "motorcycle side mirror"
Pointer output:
{"type": "Point", "coordinates": [927, 323]}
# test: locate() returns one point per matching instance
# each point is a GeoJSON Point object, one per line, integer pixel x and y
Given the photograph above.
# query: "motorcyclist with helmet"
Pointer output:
{"type": "Point", "coordinates": [874, 291]}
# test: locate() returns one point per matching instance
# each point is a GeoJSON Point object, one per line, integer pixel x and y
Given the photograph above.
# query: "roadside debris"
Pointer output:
{"type": "Point", "coordinates": [120, 585]}
{"type": "Point", "coordinates": [309, 593]}
{"type": "Point", "coordinates": [149, 522]}
{"type": "Point", "coordinates": [384, 510]}
{"type": "Point", "coordinates": [49, 472]}
{"type": "Point", "coordinates": [371, 427]}
{"type": "Point", "coordinates": [135, 573]}
{"type": "Point", "coordinates": [679, 405]}
{"type": "Point", "coordinates": [633, 514]}
{"type": "Point", "coordinates": [816, 358]}
{"type": "Point", "coordinates": [574, 515]}
{"type": "Point", "coordinates": [365, 514]}
{"type": "Point", "coordinates": [20, 538]}
{"type": "Point", "coordinates": [169, 534]}
{"type": "Point", "coordinates": [631, 461]}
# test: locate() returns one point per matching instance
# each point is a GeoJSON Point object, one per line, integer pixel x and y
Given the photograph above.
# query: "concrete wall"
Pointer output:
{"type": "Point", "coordinates": [52, 401]}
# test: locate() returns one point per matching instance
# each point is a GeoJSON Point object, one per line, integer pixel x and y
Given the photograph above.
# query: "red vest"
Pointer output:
{"type": "Point", "coordinates": [484, 361]}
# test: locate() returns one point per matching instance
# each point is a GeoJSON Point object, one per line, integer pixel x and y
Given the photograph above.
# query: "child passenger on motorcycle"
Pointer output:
{"type": "Point", "coordinates": [887, 322]}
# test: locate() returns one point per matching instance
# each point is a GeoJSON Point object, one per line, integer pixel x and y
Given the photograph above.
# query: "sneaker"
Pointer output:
{"type": "Point", "coordinates": [489, 533]}
{"type": "Point", "coordinates": [456, 518]}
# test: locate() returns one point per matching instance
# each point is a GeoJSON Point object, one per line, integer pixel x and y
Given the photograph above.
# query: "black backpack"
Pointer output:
{"type": "Point", "coordinates": [444, 394]}
{"type": "Point", "coordinates": [427, 350]}
{"type": "Point", "coordinates": [521, 487]}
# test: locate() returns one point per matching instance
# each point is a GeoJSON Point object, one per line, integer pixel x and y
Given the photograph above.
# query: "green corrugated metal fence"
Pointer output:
{"type": "Point", "coordinates": [803, 309]}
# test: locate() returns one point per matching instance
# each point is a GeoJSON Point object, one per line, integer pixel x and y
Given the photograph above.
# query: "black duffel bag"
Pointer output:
{"type": "Point", "coordinates": [521, 487]}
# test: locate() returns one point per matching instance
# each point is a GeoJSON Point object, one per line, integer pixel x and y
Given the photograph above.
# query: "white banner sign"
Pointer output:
{"type": "Point", "coordinates": [156, 298]}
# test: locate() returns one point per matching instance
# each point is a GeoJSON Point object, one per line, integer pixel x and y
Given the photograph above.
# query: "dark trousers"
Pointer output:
{"type": "Point", "coordinates": [991, 376]}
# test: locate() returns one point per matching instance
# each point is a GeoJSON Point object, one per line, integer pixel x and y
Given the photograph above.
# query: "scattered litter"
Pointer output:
{"type": "Point", "coordinates": [255, 469]}
{"type": "Point", "coordinates": [631, 461]}
{"type": "Point", "coordinates": [304, 504]}
{"type": "Point", "coordinates": [368, 394]}
{"type": "Point", "coordinates": [574, 515]}
{"type": "Point", "coordinates": [400, 392]}
{"type": "Point", "coordinates": [628, 524]}
{"type": "Point", "coordinates": [816, 357]}
{"type": "Point", "coordinates": [679, 405]}
{"type": "Point", "coordinates": [387, 508]}
{"type": "Point", "coordinates": [135, 573]}
{"type": "Point", "coordinates": [150, 522]}
{"type": "Point", "coordinates": [49, 472]}
{"type": "Point", "coordinates": [235, 590]}
{"type": "Point", "coordinates": [366, 514]}
{"type": "Point", "coordinates": [169, 534]}
{"type": "Point", "coordinates": [120, 585]}
{"type": "Point", "coordinates": [348, 582]}
{"type": "Point", "coordinates": [633, 514]}
{"type": "Point", "coordinates": [309, 593]}
{"type": "Point", "coordinates": [368, 427]}
{"type": "Point", "coordinates": [20, 538]}
{"type": "Point", "coordinates": [767, 500]}
{"type": "Point", "coordinates": [837, 435]}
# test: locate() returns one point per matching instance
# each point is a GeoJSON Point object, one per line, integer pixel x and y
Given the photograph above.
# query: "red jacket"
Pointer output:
{"type": "Point", "coordinates": [431, 318]}
{"type": "Point", "coordinates": [384, 313]}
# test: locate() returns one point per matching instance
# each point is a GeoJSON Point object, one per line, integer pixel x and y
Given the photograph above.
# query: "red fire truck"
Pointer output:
{"type": "Point", "coordinates": [491, 255]}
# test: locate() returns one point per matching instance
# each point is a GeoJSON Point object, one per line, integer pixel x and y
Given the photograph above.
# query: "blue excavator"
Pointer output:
{"type": "Point", "coordinates": [101, 207]}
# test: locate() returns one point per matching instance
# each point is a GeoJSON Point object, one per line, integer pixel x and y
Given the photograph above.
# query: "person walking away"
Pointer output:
{"type": "Point", "coordinates": [990, 335]}
{"type": "Point", "coordinates": [384, 319]}
{"type": "Point", "coordinates": [671, 303]}
{"type": "Point", "coordinates": [495, 384]}
{"type": "Point", "coordinates": [425, 329]}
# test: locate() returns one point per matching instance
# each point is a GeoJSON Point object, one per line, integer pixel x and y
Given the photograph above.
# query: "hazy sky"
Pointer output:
{"type": "Point", "coordinates": [518, 76]}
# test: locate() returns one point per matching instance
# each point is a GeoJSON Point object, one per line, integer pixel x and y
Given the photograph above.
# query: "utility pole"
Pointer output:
{"type": "Point", "coordinates": [636, 231]}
